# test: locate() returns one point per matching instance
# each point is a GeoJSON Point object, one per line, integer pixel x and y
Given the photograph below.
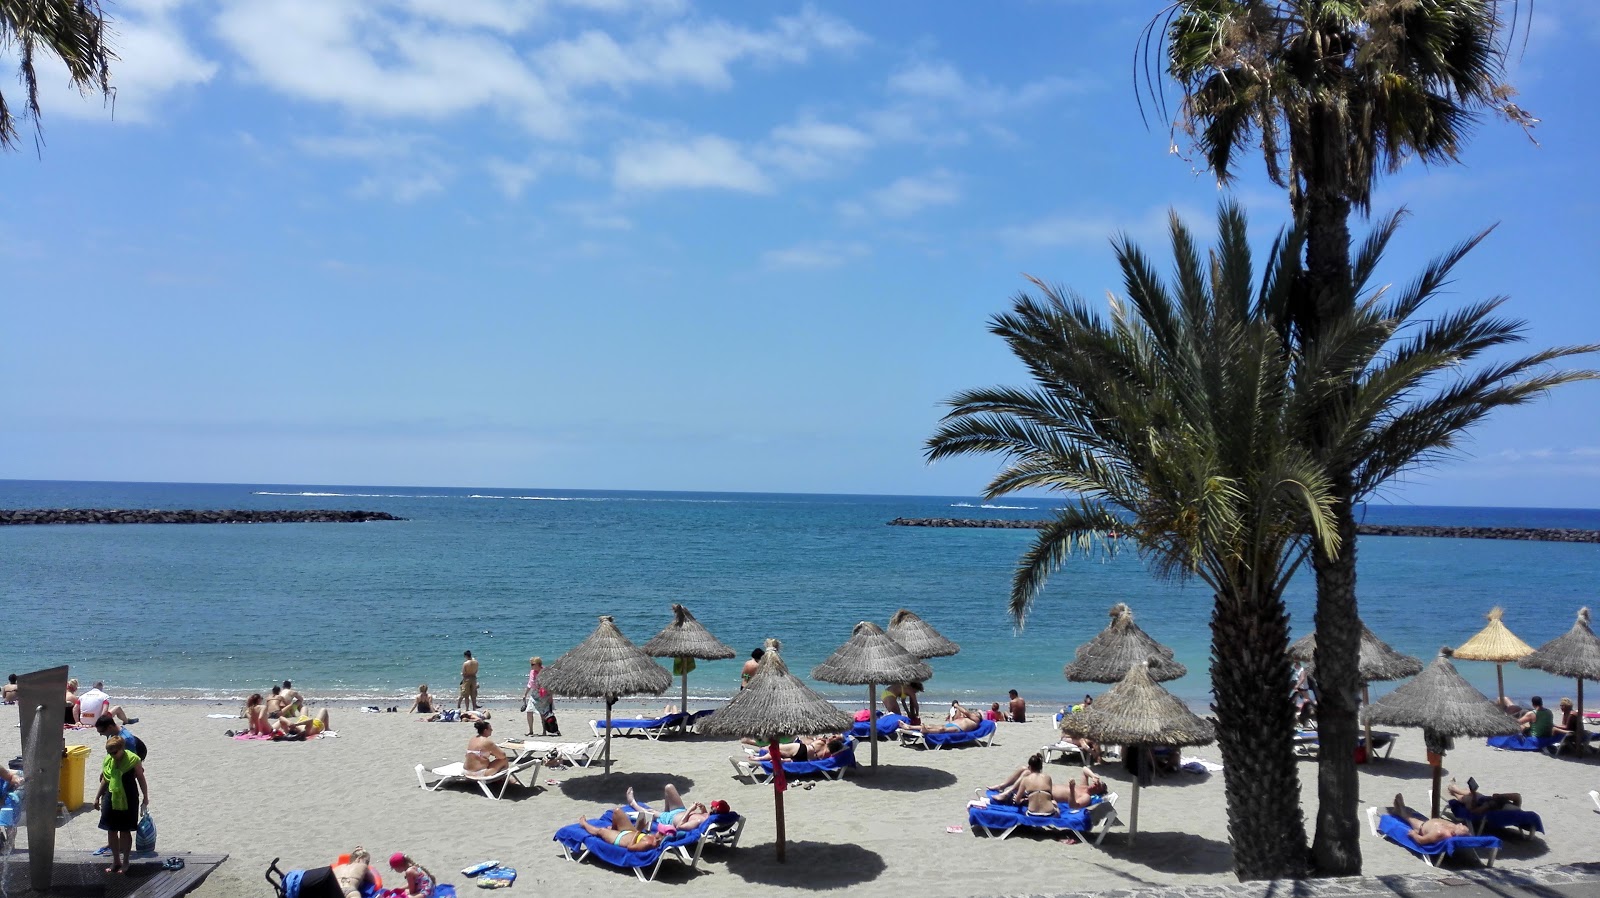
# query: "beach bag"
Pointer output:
{"type": "Point", "coordinates": [144, 839]}
{"type": "Point", "coordinates": [550, 725]}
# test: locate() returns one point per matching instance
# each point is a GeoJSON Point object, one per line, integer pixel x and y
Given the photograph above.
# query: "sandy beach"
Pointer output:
{"type": "Point", "coordinates": [874, 831]}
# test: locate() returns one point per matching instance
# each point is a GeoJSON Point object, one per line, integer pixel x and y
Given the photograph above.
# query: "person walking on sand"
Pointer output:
{"type": "Point", "coordinates": [469, 683]}
{"type": "Point", "coordinates": [536, 700]}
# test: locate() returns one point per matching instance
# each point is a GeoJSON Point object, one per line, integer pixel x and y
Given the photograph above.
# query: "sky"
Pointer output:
{"type": "Point", "coordinates": [662, 244]}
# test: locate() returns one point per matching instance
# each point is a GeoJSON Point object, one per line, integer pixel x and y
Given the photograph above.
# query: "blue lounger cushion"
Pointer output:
{"type": "Point", "coordinates": [1399, 832]}
{"type": "Point", "coordinates": [1511, 817]}
{"type": "Point", "coordinates": [887, 724]}
{"type": "Point", "coordinates": [644, 723]}
{"type": "Point", "coordinates": [960, 737]}
{"type": "Point", "coordinates": [846, 758]}
{"type": "Point", "coordinates": [1523, 743]}
{"type": "Point", "coordinates": [1005, 816]}
{"type": "Point", "coordinates": [575, 838]}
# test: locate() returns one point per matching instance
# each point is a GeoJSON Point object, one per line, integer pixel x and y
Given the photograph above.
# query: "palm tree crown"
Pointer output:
{"type": "Point", "coordinates": [73, 31]}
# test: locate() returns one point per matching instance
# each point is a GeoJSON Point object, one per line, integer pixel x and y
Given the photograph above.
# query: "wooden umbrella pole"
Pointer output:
{"type": "Point", "coordinates": [777, 791]}
{"type": "Point", "coordinates": [1366, 754]}
{"type": "Point", "coordinates": [1500, 681]}
{"type": "Point", "coordinates": [872, 721]}
{"type": "Point", "coordinates": [610, 699]}
{"type": "Point", "coordinates": [1138, 778]}
{"type": "Point", "coordinates": [683, 707]}
{"type": "Point", "coordinates": [1435, 811]}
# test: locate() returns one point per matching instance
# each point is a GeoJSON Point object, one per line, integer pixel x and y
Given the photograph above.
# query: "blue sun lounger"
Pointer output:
{"type": "Point", "coordinates": [887, 724]}
{"type": "Point", "coordinates": [1387, 826]}
{"type": "Point", "coordinates": [1512, 817]}
{"type": "Point", "coordinates": [1002, 819]}
{"type": "Point", "coordinates": [832, 767]}
{"type": "Point", "coordinates": [1523, 743]}
{"type": "Point", "coordinates": [983, 735]}
{"type": "Point", "coordinates": [720, 829]}
{"type": "Point", "coordinates": [649, 727]}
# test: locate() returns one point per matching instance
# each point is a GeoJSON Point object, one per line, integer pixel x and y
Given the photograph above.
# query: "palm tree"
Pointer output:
{"type": "Point", "coordinates": [73, 31]}
{"type": "Point", "coordinates": [1333, 91]}
{"type": "Point", "coordinates": [1172, 422]}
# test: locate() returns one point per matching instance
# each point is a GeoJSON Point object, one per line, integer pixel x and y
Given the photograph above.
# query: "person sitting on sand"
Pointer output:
{"type": "Point", "coordinates": [675, 813]}
{"type": "Point", "coordinates": [8, 692]}
{"type": "Point", "coordinates": [275, 703]}
{"type": "Point", "coordinates": [484, 758]}
{"type": "Point", "coordinates": [994, 713]}
{"type": "Point", "coordinates": [1017, 708]}
{"type": "Point", "coordinates": [1478, 803]}
{"type": "Point", "coordinates": [1570, 729]}
{"type": "Point", "coordinates": [350, 877]}
{"type": "Point", "coordinates": [293, 701]}
{"type": "Point", "coordinates": [255, 713]}
{"type": "Point", "coordinates": [623, 832]}
{"type": "Point", "coordinates": [419, 882]}
{"type": "Point", "coordinates": [72, 703]}
{"type": "Point", "coordinates": [94, 704]}
{"type": "Point", "coordinates": [1537, 722]}
{"type": "Point", "coordinates": [1426, 830]}
{"type": "Point", "coordinates": [423, 703]}
{"type": "Point", "coordinates": [302, 727]}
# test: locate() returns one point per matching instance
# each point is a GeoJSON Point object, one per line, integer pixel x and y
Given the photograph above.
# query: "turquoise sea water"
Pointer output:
{"type": "Point", "coordinates": [360, 610]}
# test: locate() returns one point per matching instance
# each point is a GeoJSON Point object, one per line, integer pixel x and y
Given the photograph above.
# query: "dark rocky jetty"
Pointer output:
{"type": "Point", "coordinates": [17, 516]}
{"type": "Point", "coordinates": [1539, 534]}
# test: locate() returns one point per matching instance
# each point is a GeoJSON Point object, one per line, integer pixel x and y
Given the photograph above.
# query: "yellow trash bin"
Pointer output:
{"type": "Point", "coordinates": [73, 766]}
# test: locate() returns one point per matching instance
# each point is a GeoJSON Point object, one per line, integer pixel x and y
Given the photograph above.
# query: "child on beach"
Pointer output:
{"type": "Point", "coordinates": [419, 882]}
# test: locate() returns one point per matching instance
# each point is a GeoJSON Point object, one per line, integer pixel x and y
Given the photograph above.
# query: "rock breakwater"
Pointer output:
{"type": "Point", "coordinates": [18, 516]}
{"type": "Point", "coordinates": [1539, 534]}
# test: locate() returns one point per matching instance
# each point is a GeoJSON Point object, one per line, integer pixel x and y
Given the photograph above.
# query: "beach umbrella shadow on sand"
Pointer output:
{"type": "Point", "coordinates": [1107, 657]}
{"type": "Point", "coordinates": [918, 637]}
{"type": "Point", "coordinates": [1375, 662]}
{"type": "Point", "coordinates": [684, 640]}
{"type": "Point", "coordinates": [867, 658]}
{"type": "Point", "coordinates": [1575, 653]}
{"type": "Point", "coordinates": [1443, 705]}
{"type": "Point", "coordinates": [605, 666]}
{"type": "Point", "coordinates": [775, 703]}
{"type": "Point", "coordinates": [1496, 643]}
{"type": "Point", "coordinates": [1138, 712]}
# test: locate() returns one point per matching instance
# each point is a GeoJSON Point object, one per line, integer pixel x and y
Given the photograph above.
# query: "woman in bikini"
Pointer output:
{"type": "Point", "coordinates": [963, 724]}
{"type": "Point", "coordinates": [622, 832]}
{"type": "Point", "coordinates": [483, 756]}
{"type": "Point", "coordinates": [1029, 786]}
{"type": "Point", "coordinates": [256, 713]}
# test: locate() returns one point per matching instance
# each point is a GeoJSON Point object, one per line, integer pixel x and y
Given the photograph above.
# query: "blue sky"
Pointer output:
{"type": "Point", "coordinates": [657, 244]}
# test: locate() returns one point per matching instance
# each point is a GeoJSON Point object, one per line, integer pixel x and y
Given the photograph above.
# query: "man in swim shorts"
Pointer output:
{"type": "Point", "coordinates": [469, 683]}
{"type": "Point", "coordinates": [1478, 803]}
{"type": "Point", "coordinates": [676, 813]}
{"type": "Point", "coordinates": [1426, 830]}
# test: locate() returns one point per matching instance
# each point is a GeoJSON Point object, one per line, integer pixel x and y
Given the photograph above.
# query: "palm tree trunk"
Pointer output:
{"type": "Point", "coordinates": [1336, 847]}
{"type": "Point", "coordinates": [1255, 727]}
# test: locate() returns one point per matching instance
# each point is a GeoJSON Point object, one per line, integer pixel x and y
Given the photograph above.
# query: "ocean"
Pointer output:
{"type": "Point", "coordinates": [368, 611]}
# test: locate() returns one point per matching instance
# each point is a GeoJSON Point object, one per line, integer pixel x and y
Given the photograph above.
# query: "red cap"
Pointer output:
{"type": "Point", "coordinates": [397, 860]}
{"type": "Point", "coordinates": [719, 807]}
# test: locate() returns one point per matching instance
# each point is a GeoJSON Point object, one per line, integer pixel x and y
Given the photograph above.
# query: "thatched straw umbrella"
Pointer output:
{"type": "Point", "coordinates": [1138, 712]}
{"type": "Point", "coordinates": [1375, 662]}
{"type": "Point", "coordinates": [1495, 643]}
{"type": "Point", "coordinates": [1575, 653]}
{"type": "Point", "coordinates": [1444, 705]}
{"type": "Point", "coordinates": [775, 703]}
{"type": "Point", "coordinates": [608, 666]}
{"type": "Point", "coordinates": [920, 639]}
{"type": "Point", "coordinates": [684, 640]}
{"type": "Point", "coordinates": [1122, 644]}
{"type": "Point", "coordinates": [870, 657]}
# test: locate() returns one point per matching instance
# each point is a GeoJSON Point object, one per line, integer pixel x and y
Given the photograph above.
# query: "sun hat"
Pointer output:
{"type": "Point", "coordinates": [667, 830]}
{"type": "Point", "coordinates": [719, 807]}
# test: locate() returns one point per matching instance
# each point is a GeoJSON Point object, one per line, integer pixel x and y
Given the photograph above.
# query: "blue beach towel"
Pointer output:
{"type": "Point", "coordinates": [960, 737]}
{"type": "Point", "coordinates": [1505, 818]}
{"type": "Point", "coordinates": [644, 723]}
{"type": "Point", "coordinates": [1399, 832]}
{"type": "Point", "coordinates": [1523, 743]}
{"type": "Point", "coordinates": [846, 758]}
{"type": "Point", "coordinates": [887, 724]}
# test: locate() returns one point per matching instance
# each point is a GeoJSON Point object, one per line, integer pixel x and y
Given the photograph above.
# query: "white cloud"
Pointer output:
{"type": "Point", "coordinates": [401, 167]}
{"type": "Point", "coordinates": [809, 147]}
{"type": "Point", "coordinates": [1149, 229]}
{"type": "Point", "coordinates": [511, 177]}
{"type": "Point", "coordinates": [706, 162]}
{"type": "Point", "coordinates": [813, 256]}
{"type": "Point", "coordinates": [943, 83]}
{"type": "Point", "coordinates": [597, 216]}
{"type": "Point", "coordinates": [907, 196]}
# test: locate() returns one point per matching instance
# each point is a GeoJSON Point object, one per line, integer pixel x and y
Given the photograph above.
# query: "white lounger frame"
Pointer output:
{"type": "Point", "coordinates": [456, 773]}
{"type": "Point", "coordinates": [752, 772]}
{"type": "Point", "coordinates": [1102, 816]}
{"type": "Point", "coordinates": [1485, 857]}
{"type": "Point", "coordinates": [727, 837]}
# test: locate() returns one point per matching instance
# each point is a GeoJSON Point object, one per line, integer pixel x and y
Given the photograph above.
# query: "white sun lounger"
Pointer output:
{"type": "Point", "coordinates": [1063, 751]}
{"type": "Point", "coordinates": [457, 773]}
{"type": "Point", "coordinates": [579, 754]}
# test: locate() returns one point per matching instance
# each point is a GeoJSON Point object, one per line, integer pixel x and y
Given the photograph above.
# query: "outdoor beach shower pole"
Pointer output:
{"type": "Point", "coordinates": [778, 785]}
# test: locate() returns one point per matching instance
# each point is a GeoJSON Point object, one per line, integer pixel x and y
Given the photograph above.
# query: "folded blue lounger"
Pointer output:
{"type": "Point", "coordinates": [1398, 831]}
{"type": "Point", "coordinates": [1509, 817]}
{"type": "Point", "coordinates": [1523, 743]}
{"type": "Point", "coordinates": [887, 724]}
{"type": "Point", "coordinates": [1001, 819]}
{"type": "Point", "coordinates": [577, 844]}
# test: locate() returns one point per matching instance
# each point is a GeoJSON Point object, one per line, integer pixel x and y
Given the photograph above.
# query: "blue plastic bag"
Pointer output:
{"type": "Point", "coordinates": [144, 838]}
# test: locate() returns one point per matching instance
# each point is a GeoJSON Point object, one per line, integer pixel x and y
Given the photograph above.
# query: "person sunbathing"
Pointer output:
{"type": "Point", "coordinates": [1079, 792]}
{"type": "Point", "coordinates": [351, 876]}
{"type": "Point", "coordinates": [675, 813]}
{"type": "Point", "coordinates": [1089, 747]}
{"type": "Point", "coordinates": [1426, 830]}
{"type": "Point", "coordinates": [1478, 803]}
{"type": "Point", "coordinates": [963, 724]}
{"type": "Point", "coordinates": [623, 833]}
{"type": "Point", "coordinates": [1029, 781]}
{"type": "Point", "coordinates": [255, 711]}
{"type": "Point", "coordinates": [484, 758]}
{"type": "Point", "coordinates": [804, 749]}
{"type": "Point", "coordinates": [301, 727]}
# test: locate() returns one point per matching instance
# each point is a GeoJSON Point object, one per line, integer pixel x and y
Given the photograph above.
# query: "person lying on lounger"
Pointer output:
{"type": "Point", "coordinates": [962, 725]}
{"type": "Point", "coordinates": [1478, 803]}
{"type": "Point", "coordinates": [675, 813]}
{"type": "Point", "coordinates": [1028, 781]}
{"type": "Point", "coordinates": [804, 749]}
{"type": "Point", "coordinates": [1080, 791]}
{"type": "Point", "coordinates": [622, 832]}
{"type": "Point", "coordinates": [1426, 830]}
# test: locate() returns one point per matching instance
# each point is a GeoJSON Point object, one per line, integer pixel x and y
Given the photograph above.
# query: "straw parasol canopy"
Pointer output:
{"type": "Point", "coordinates": [1495, 643]}
{"type": "Point", "coordinates": [775, 703]}
{"type": "Point", "coordinates": [1575, 653]}
{"type": "Point", "coordinates": [867, 658]}
{"type": "Point", "coordinates": [1444, 705]}
{"type": "Point", "coordinates": [1107, 657]}
{"type": "Point", "coordinates": [1139, 712]}
{"type": "Point", "coordinates": [607, 666]}
{"type": "Point", "coordinates": [1377, 660]}
{"type": "Point", "coordinates": [684, 640]}
{"type": "Point", "coordinates": [919, 637]}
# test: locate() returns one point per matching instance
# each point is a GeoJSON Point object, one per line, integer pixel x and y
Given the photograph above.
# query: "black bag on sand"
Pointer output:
{"type": "Point", "coordinates": [551, 728]}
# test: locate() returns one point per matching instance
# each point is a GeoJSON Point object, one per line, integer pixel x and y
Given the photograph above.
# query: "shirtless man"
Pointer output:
{"type": "Point", "coordinates": [469, 683]}
{"type": "Point", "coordinates": [962, 724]}
{"type": "Point", "coordinates": [1079, 792]}
{"type": "Point", "coordinates": [275, 703]}
{"type": "Point", "coordinates": [1426, 830]}
{"type": "Point", "coordinates": [8, 692]}
{"type": "Point", "coordinates": [483, 756]}
{"type": "Point", "coordinates": [750, 667]}
{"type": "Point", "coordinates": [293, 701]}
{"type": "Point", "coordinates": [1017, 708]}
{"type": "Point", "coordinates": [623, 832]}
{"type": "Point", "coordinates": [1477, 803]}
{"type": "Point", "coordinates": [677, 814]}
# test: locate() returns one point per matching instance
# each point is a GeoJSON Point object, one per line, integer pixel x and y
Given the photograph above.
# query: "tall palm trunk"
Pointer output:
{"type": "Point", "coordinates": [1336, 848]}
{"type": "Point", "coordinates": [1255, 725]}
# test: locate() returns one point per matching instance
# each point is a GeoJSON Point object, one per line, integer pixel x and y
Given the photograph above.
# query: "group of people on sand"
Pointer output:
{"type": "Point", "coordinates": [282, 715]}
{"type": "Point", "coordinates": [1540, 723]}
{"type": "Point", "coordinates": [82, 710]}
{"type": "Point", "coordinates": [646, 828]}
{"type": "Point", "coordinates": [1038, 792]}
{"type": "Point", "coordinates": [352, 875]}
